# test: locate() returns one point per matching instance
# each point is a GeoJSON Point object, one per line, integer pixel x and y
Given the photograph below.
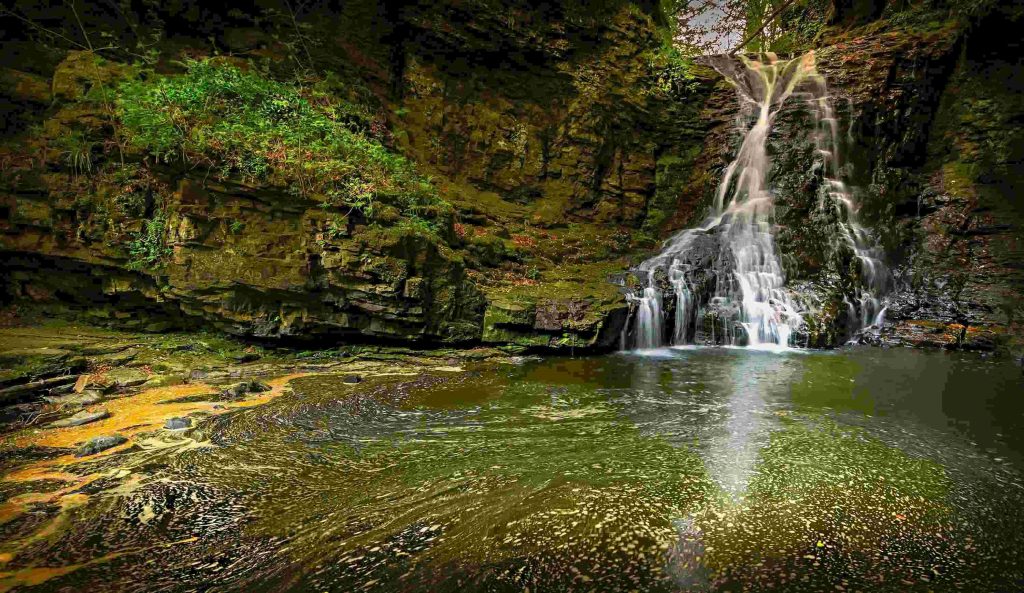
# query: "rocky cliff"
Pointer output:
{"type": "Point", "coordinates": [561, 142]}
{"type": "Point", "coordinates": [538, 130]}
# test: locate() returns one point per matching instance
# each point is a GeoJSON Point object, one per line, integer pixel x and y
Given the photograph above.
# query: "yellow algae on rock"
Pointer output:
{"type": "Point", "coordinates": [146, 411]}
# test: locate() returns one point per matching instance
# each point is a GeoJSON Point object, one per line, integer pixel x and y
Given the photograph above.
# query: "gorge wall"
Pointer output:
{"type": "Point", "coordinates": [565, 141]}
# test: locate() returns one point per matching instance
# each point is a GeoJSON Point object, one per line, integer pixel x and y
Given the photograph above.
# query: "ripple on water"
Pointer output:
{"type": "Point", "coordinates": [706, 469]}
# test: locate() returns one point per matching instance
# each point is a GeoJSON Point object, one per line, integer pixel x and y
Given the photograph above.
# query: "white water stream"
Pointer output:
{"type": "Point", "coordinates": [748, 303]}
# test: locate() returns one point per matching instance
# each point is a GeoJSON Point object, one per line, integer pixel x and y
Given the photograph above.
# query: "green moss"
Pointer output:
{"type": "Point", "coordinates": [568, 282]}
{"type": "Point", "coordinates": [671, 175]}
{"type": "Point", "coordinates": [489, 250]}
{"type": "Point", "coordinates": [240, 123]}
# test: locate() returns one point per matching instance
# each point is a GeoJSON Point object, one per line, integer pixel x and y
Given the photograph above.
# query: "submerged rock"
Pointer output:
{"type": "Point", "coordinates": [258, 387]}
{"type": "Point", "coordinates": [100, 443]}
{"type": "Point", "coordinates": [178, 423]}
{"type": "Point", "coordinates": [353, 379]}
{"type": "Point", "coordinates": [240, 389]}
{"type": "Point", "coordinates": [83, 417]}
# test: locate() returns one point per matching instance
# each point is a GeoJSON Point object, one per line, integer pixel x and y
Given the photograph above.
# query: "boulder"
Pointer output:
{"type": "Point", "coordinates": [83, 417]}
{"type": "Point", "coordinates": [100, 443]}
{"type": "Point", "coordinates": [178, 423]}
{"type": "Point", "coordinates": [239, 390]}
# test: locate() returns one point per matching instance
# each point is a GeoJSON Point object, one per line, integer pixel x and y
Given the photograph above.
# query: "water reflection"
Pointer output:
{"type": "Point", "coordinates": [709, 469]}
{"type": "Point", "coordinates": [726, 416]}
{"type": "Point", "coordinates": [778, 434]}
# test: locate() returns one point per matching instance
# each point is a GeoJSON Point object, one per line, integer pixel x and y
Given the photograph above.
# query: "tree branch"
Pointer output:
{"type": "Point", "coordinates": [298, 33]}
{"type": "Point", "coordinates": [74, 11]}
{"type": "Point", "coordinates": [775, 13]}
{"type": "Point", "coordinates": [42, 28]}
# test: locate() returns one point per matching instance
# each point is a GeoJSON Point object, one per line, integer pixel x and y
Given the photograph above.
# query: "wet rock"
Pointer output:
{"type": "Point", "coordinates": [83, 417]}
{"type": "Point", "coordinates": [237, 390]}
{"type": "Point", "coordinates": [917, 333]}
{"type": "Point", "coordinates": [61, 390]}
{"type": "Point", "coordinates": [127, 377]}
{"type": "Point", "coordinates": [178, 423]}
{"type": "Point", "coordinates": [100, 443]}
{"type": "Point", "coordinates": [85, 398]}
{"type": "Point", "coordinates": [538, 321]}
{"type": "Point", "coordinates": [258, 387]}
{"type": "Point", "coordinates": [115, 359]}
{"type": "Point", "coordinates": [89, 395]}
{"type": "Point", "coordinates": [161, 381]}
{"type": "Point", "coordinates": [353, 379]}
{"type": "Point", "coordinates": [241, 389]}
{"type": "Point", "coordinates": [27, 390]}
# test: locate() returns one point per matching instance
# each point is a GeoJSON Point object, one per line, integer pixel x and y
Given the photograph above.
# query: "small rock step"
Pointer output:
{"type": "Point", "coordinates": [83, 417]}
{"type": "Point", "coordinates": [86, 398]}
{"type": "Point", "coordinates": [26, 390]}
{"type": "Point", "coordinates": [100, 443]}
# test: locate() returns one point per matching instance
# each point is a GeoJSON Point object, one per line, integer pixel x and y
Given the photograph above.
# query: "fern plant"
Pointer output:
{"type": "Point", "coordinates": [148, 250]}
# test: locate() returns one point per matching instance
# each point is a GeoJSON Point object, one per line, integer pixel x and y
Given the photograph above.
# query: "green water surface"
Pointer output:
{"type": "Point", "coordinates": [673, 470]}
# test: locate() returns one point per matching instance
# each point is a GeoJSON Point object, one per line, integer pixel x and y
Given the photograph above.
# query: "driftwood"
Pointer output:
{"type": "Point", "coordinates": [17, 393]}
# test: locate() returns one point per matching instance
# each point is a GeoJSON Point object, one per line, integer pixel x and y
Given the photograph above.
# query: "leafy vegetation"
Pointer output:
{"type": "Point", "coordinates": [240, 123]}
{"type": "Point", "coordinates": [76, 149]}
{"type": "Point", "coordinates": [148, 248]}
{"type": "Point", "coordinates": [674, 70]}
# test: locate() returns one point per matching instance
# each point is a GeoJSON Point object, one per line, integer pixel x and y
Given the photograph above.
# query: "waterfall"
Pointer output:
{"type": "Point", "coordinates": [874, 274]}
{"type": "Point", "coordinates": [725, 276]}
{"type": "Point", "coordinates": [649, 318]}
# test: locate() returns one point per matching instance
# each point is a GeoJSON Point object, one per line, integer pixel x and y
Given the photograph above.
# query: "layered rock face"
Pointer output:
{"type": "Point", "coordinates": [934, 150]}
{"type": "Point", "coordinates": [963, 284]}
{"type": "Point", "coordinates": [527, 119]}
{"type": "Point", "coordinates": [247, 261]}
{"type": "Point", "coordinates": [566, 154]}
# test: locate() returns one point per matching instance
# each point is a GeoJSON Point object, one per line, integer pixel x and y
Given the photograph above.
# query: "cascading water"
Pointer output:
{"type": "Point", "coordinates": [725, 276]}
{"type": "Point", "coordinates": [875, 276]}
{"type": "Point", "coordinates": [649, 318]}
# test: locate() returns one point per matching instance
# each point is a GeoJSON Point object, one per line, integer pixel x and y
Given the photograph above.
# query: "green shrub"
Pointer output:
{"type": "Point", "coordinates": [148, 248]}
{"type": "Point", "coordinates": [241, 123]}
{"type": "Point", "coordinates": [673, 70]}
{"type": "Point", "coordinates": [136, 187]}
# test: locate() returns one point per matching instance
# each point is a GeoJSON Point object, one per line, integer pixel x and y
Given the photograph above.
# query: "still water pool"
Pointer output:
{"type": "Point", "coordinates": [671, 470]}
